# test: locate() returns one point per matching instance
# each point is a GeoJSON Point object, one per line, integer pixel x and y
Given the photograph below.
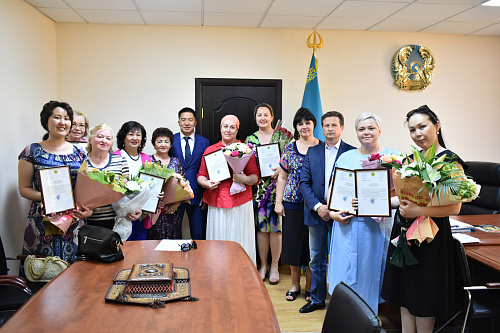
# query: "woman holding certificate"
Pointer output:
{"type": "Point", "coordinates": [359, 244]}
{"type": "Point", "coordinates": [41, 236]}
{"type": "Point", "coordinates": [268, 222]}
{"type": "Point", "coordinates": [425, 291]}
{"type": "Point", "coordinates": [290, 204]}
{"type": "Point", "coordinates": [100, 142]}
{"type": "Point", "coordinates": [131, 139]}
{"type": "Point", "coordinates": [230, 216]}
{"type": "Point", "coordinates": [169, 223]}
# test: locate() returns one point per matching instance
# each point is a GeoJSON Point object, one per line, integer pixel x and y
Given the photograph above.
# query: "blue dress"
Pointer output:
{"type": "Point", "coordinates": [358, 250]}
{"type": "Point", "coordinates": [38, 239]}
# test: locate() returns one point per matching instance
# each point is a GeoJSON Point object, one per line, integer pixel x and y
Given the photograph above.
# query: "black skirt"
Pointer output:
{"type": "Point", "coordinates": [295, 241]}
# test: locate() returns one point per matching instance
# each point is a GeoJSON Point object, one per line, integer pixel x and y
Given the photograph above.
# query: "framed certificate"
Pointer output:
{"type": "Point", "coordinates": [342, 191]}
{"type": "Point", "coordinates": [370, 186]}
{"type": "Point", "coordinates": [269, 158]}
{"type": "Point", "coordinates": [57, 189]}
{"type": "Point", "coordinates": [217, 167]}
{"type": "Point", "coordinates": [156, 186]}
{"type": "Point", "coordinates": [373, 192]}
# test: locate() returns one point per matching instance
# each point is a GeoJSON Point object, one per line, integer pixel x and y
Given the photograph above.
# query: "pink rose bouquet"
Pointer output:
{"type": "Point", "coordinates": [237, 156]}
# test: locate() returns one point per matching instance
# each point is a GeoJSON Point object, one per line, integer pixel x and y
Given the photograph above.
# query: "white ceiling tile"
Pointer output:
{"type": "Point", "coordinates": [236, 6]}
{"type": "Point", "coordinates": [493, 30]}
{"type": "Point", "coordinates": [365, 9]}
{"type": "Point", "coordinates": [102, 4]}
{"type": "Point", "coordinates": [47, 3]}
{"type": "Point", "coordinates": [479, 13]}
{"type": "Point", "coordinates": [62, 15]}
{"type": "Point", "coordinates": [232, 20]}
{"type": "Point", "coordinates": [290, 22]}
{"type": "Point", "coordinates": [172, 18]}
{"type": "Point", "coordinates": [304, 8]}
{"type": "Point", "coordinates": [458, 28]}
{"type": "Point", "coordinates": [112, 16]}
{"type": "Point", "coordinates": [429, 12]}
{"type": "Point", "coordinates": [343, 23]}
{"type": "Point", "coordinates": [174, 6]}
{"type": "Point", "coordinates": [403, 25]}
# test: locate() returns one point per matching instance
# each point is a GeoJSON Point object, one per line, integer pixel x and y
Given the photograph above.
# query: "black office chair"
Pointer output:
{"type": "Point", "coordinates": [478, 302]}
{"type": "Point", "coordinates": [13, 290]}
{"type": "Point", "coordinates": [348, 313]}
{"type": "Point", "coordinates": [486, 174]}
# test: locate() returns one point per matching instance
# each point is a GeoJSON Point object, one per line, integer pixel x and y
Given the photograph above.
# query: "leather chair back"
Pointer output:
{"type": "Point", "coordinates": [487, 174]}
{"type": "Point", "coordinates": [348, 313]}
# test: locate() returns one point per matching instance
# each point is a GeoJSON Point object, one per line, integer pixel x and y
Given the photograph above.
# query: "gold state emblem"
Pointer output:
{"type": "Point", "coordinates": [412, 67]}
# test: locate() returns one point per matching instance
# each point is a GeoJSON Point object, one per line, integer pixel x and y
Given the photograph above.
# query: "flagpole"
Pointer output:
{"type": "Point", "coordinates": [312, 98]}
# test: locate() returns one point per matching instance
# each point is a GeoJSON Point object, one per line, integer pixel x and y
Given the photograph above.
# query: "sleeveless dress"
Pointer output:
{"type": "Point", "coordinates": [428, 288]}
{"type": "Point", "coordinates": [264, 198]}
{"type": "Point", "coordinates": [168, 226]}
{"type": "Point", "coordinates": [37, 238]}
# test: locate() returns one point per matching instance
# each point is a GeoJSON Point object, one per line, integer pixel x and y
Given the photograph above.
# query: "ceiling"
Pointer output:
{"type": "Point", "coordinates": [463, 17]}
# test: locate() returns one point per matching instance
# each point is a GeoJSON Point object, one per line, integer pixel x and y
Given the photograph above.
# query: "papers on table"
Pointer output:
{"type": "Point", "coordinates": [217, 167]}
{"type": "Point", "coordinates": [458, 226]}
{"type": "Point", "coordinates": [171, 244]}
{"type": "Point", "coordinates": [465, 239]}
{"type": "Point", "coordinates": [57, 189]}
{"type": "Point", "coordinates": [269, 158]}
{"type": "Point", "coordinates": [156, 185]}
{"type": "Point", "coordinates": [370, 186]}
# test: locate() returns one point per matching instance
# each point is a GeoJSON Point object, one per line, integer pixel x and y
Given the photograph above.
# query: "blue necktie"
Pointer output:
{"type": "Point", "coordinates": [187, 150]}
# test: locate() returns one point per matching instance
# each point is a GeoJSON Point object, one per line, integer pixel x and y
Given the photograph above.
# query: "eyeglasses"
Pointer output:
{"type": "Point", "coordinates": [188, 246]}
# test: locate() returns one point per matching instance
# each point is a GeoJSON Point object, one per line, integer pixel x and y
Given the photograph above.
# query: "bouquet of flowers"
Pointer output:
{"type": "Point", "coordinates": [282, 136]}
{"type": "Point", "coordinates": [427, 181]}
{"type": "Point", "coordinates": [176, 188]}
{"type": "Point", "coordinates": [376, 161]}
{"type": "Point", "coordinates": [137, 193]}
{"type": "Point", "coordinates": [237, 156]}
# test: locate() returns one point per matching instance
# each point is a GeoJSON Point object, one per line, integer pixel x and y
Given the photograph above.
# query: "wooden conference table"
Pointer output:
{"type": "Point", "coordinates": [232, 296]}
{"type": "Point", "coordinates": [488, 250]}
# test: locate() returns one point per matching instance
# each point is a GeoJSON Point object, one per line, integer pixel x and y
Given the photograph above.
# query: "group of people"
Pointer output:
{"type": "Point", "coordinates": [285, 214]}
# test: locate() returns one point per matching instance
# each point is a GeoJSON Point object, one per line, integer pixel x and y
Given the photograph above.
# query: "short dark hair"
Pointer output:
{"type": "Point", "coordinates": [302, 114]}
{"type": "Point", "coordinates": [186, 109]}
{"type": "Point", "coordinates": [333, 114]}
{"type": "Point", "coordinates": [424, 109]}
{"type": "Point", "coordinates": [263, 105]}
{"type": "Point", "coordinates": [162, 131]}
{"type": "Point", "coordinates": [127, 127]}
{"type": "Point", "coordinates": [47, 111]}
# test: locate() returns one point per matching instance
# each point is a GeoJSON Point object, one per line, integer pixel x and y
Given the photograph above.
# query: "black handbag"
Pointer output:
{"type": "Point", "coordinates": [99, 244]}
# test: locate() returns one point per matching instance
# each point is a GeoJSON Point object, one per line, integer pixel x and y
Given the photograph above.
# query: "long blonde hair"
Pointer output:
{"type": "Point", "coordinates": [93, 134]}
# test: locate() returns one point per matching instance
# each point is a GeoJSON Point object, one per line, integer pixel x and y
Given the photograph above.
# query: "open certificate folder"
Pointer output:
{"type": "Point", "coordinates": [369, 186]}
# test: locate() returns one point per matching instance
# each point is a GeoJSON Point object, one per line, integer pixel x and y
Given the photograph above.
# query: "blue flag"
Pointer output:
{"type": "Point", "coordinates": [312, 99]}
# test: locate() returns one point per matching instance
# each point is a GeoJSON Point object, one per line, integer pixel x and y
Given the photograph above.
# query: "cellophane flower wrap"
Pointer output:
{"type": "Point", "coordinates": [137, 193]}
{"type": "Point", "coordinates": [237, 156]}
{"type": "Point", "coordinates": [175, 189]}
{"type": "Point", "coordinates": [427, 181]}
{"type": "Point", "coordinates": [377, 161]}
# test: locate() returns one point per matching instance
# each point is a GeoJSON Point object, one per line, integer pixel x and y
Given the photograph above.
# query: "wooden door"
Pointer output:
{"type": "Point", "coordinates": [216, 98]}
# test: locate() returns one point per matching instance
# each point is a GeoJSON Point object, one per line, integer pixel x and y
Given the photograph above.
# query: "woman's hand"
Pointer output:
{"type": "Point", "coordinates": [134, 217]}
{"type": "Point", "coordinates": [239, 177]}
{"type": "Point", "coordinates": [172, 208]}
{"type": "Point", "coordinates": [275, 174]}
{"type": "Point", "coordinates": [244, 179]}
{"type": "Point", "coordinates": [210, 185]}
{"type": "Point", "coordinates": [355, 203]}
{"type": "Point", "coordinates": [161, 203]}
{"type": "Point", "coordinates": [279, 209]}
{"type": "Point", "coordinates": [83, 212]}
{"type": "Point", "coordinates": [409, 209]}
{"type": "Point", "coordinates": [342, 216]}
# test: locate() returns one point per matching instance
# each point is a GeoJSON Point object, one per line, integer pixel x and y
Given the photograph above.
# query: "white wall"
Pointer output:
{"type": "Point", "coordinates": [116, 73]}
{"type": "Point", "coordinates": [28, 79]}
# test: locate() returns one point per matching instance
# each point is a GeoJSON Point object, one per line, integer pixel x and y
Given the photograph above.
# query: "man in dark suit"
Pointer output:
{"type": "Point", "coordinates": [314, 180]}
{"type": "Point", "coordinates": [188, 147]}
